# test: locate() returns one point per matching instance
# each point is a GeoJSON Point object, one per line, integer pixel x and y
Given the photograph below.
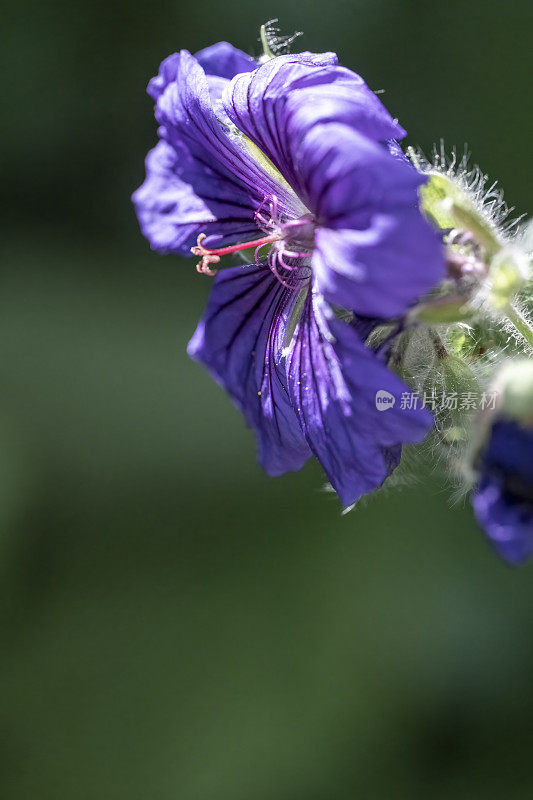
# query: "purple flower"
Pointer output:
{"type": "Point", "coordinates": [503, 499]}
{"type": "Point", "coordinates": [295, 161]}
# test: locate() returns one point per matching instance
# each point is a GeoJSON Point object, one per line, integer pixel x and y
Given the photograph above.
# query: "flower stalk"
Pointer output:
{"type": "Point", "coordinates": [520, 323]}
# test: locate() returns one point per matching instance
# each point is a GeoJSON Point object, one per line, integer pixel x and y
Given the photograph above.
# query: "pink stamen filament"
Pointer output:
{"type": "Point", "coordinates": [200, 250]}
{"type": "Point", "coordinates": [272, 221]}
{"type": "Point", "coordinates": [275, 258]}
{"type": "Point", "coordinates": [293, 254]}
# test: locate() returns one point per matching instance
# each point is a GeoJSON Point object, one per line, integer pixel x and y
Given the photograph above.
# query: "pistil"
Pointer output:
{"type": "Point", "coordinates": [209, 257]}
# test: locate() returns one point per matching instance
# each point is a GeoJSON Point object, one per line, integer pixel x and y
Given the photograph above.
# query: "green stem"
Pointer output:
{"type": "Point", "coordinates": [517, 319]}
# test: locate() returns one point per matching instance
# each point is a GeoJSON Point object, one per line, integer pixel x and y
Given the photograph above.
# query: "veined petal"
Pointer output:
{"type": "Point", "coordinates": [168, 70]}
{"type": "Point", "coordinates": [381, 269]}
{"type": "Point", "coordinates": [224, 60]}
{"type": "Point", "coordinates": [344, 177]}
{"type": "Point", "coordinates": [188, 121]}
{"type": "Point", "coordinates": [344, 97]}
{"type": "Point", "coordinates": [278, 103]}
{"type": "Point", "coordinates": [375, 253]}
{"type": "Point", "coordinates": [240, 340]}
{"type": "Point", "coordinates": [228, 183]}
{"type": "Point", "coordinates": [171, 209]}
{"type": "Point", "coordinates": [220, 60]}
{"type": "Point", "coordinates": [332, 381]}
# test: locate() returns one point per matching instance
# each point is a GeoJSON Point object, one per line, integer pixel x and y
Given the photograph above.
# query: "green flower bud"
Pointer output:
{"type": "Point", "coordinates": [508, 274]}
{"type": "Point", "coordinates": [449, 205]}
{"type": "Point", "coordinates": [514, 384]}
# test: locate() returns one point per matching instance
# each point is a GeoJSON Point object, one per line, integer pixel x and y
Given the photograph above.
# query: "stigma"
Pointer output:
{"type": "Point", "coordinates": [209, 257]}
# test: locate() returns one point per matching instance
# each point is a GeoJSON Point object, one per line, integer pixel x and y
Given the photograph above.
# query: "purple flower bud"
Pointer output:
{"type": "Point", "coordinates": [503, 496]}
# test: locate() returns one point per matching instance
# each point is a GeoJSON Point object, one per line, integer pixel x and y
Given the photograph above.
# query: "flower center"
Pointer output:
{"type": "Point", "coordinates": [292, 244]}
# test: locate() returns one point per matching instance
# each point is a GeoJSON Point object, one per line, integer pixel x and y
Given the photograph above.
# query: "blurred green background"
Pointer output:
{"type": "Point", "coordinates": [174, 624]}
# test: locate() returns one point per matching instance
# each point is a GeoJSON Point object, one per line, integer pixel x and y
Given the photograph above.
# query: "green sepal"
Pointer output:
{"type": "Point", "coordinates": [450, 207]}
{"type": "Point", "coordinates": [508, 274]}
{"type": "Point", "coordinates": [443, 310]}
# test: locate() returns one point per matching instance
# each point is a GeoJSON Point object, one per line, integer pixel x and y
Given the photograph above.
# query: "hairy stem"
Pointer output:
{"type": "Point", "coordinates": [520, 323]}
